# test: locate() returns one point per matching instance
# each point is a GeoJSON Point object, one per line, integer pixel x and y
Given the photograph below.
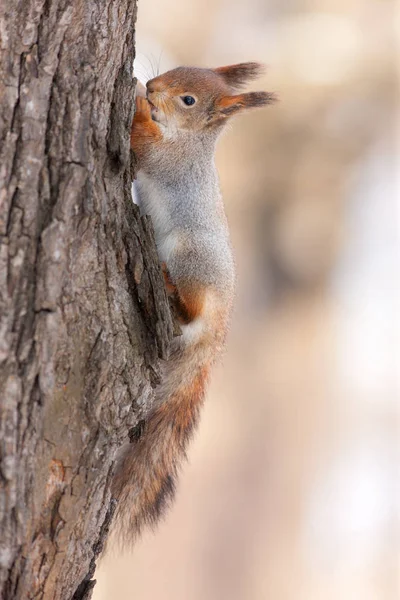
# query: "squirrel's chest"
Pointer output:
{"type": "Point", "coordinates": [177, 205]}
{"type": "Point", "coordinates": [181, 212]}
{"type": "Point", "coordinates": [153, 201]}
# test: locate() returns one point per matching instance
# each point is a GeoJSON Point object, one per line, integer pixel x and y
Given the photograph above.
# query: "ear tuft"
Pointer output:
{"type": "Point", "coordinates": [237, 76]}
{"type": "Point", "coordinates": [231, 105]}
{"type": "Point", "coordinates": [257, 99]}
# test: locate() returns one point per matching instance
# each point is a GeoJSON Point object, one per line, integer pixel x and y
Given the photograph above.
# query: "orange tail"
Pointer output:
{"type": "Point", "coordinates": [144, 484]}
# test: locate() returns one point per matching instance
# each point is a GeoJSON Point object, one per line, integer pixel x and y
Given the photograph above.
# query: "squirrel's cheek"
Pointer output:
{"type": "Point", "coordinates": [158, 116]}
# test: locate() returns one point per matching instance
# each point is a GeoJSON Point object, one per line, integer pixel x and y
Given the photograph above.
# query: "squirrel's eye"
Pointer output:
{"type": "Point", "coordinates": [188, 100]}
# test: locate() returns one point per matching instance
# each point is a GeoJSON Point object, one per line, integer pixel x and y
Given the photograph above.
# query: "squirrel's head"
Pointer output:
{"type": "Point", "coordinates": [196, 99]}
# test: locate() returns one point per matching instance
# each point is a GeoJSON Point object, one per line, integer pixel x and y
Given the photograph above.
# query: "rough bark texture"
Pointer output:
{"type": "Point", "coordinates": [84, 316]}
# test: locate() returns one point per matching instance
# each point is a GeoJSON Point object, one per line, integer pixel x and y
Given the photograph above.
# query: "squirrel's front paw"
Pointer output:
{"type": "Point", "coordinates": [143, 109]}
{"type": "Point", "coordinates": [144, 130]}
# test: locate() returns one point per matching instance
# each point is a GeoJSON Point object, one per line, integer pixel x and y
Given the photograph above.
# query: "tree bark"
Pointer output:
{"type": "Point", "coordinates": [84, 316]}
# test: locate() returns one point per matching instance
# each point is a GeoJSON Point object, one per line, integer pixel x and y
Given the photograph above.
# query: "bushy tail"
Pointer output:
{"type": "Point", "coordinates": [144, 483]}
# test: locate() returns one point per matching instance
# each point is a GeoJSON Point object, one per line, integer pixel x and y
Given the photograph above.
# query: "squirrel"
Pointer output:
{"type": "Point", "coordinates": [174, 134]}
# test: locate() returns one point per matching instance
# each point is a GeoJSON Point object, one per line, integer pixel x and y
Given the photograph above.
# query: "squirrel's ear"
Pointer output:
{"type": "Point", "coordinates": [230, 105]}
{"type": "Point", "coordinates": [236, 76]}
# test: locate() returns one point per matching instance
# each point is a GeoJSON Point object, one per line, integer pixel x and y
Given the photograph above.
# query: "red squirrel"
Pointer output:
{"type": "Point", "coordinates": [174, 134]}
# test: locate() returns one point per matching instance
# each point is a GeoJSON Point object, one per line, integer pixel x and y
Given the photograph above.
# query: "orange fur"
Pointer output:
{"type": "Point", "coordinates": [229, 105]}
{"type": "Point", "coordinates": [149, 468]}
{"type": "Point", "coordinates": [190, 302]}
{"type": "Point", "coordinates": [188, 298]}
{"type": "Point", "coordinates": [144, 130]}
{"type": "Point", "coordinates": [169, 286]}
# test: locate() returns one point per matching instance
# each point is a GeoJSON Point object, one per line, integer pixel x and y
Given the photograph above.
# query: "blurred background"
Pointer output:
{"type": "Point", "coordinates": [292, 488]}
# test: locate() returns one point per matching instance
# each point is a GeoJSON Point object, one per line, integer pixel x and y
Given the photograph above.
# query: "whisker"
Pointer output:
{"type": "Point", "coordinates": [143, 78]}
{"type": "Point", "coordinates": [150, 67]}
{"type": "Point", "coordinates": [165, 111]}
{"type": "Point", "coordinates": [144, 68]}
{"type": "Point", "coordinates": [159, 61]}
{"type": "Point", "coordinates": [154, 70]}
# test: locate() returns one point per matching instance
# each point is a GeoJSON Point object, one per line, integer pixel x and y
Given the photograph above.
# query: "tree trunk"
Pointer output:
{"type": "Point", "coordinates": [84, 316]}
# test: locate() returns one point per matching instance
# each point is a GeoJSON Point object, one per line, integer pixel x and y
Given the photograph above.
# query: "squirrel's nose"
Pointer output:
{"type": "Point", "coordinates": [154, 85]}
{"type": "Point", "coordinates": [151, 87]}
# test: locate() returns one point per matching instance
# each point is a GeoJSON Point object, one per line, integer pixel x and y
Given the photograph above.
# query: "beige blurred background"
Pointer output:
{"type": "Point", "coordinates": [292, 489]}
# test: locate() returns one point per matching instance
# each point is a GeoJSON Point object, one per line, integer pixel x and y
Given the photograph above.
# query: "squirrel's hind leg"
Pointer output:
{"type": "Point", "coordinates": [188, 298]}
